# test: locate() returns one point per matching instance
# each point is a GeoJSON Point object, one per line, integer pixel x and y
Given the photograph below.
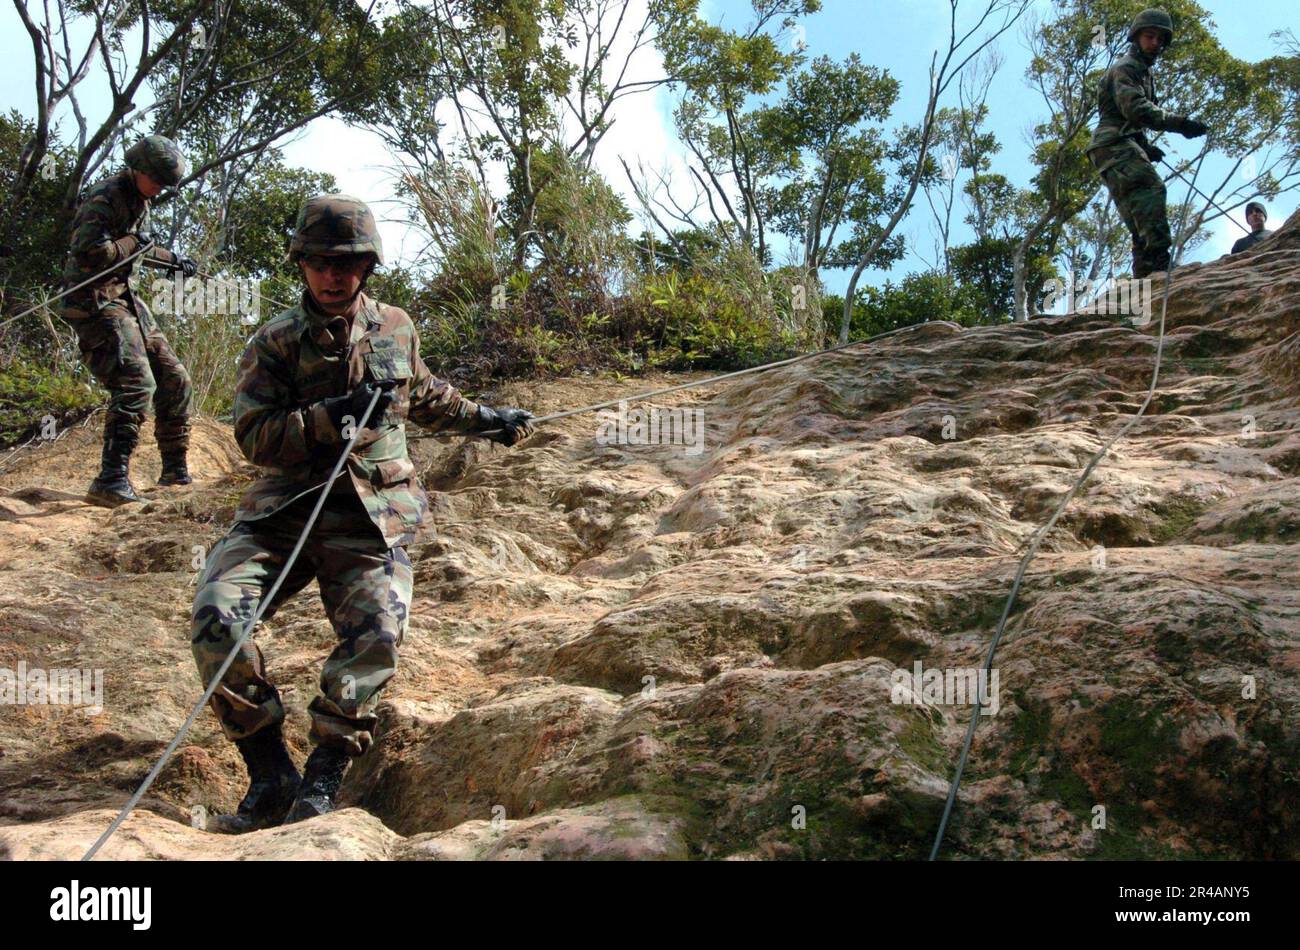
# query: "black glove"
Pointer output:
{"type": "Point", "coordinates": [187, 266]}
{"type": "Point", "coordinates": [512, 424]}
{"type": "Point", "coordinates": [1188, 128]}
{"type": "Point", "coordinates": [144, 238]}
{"type": "Point", "coordinates": [1155, 153]}
{"type": "Point", "coordinates": [354, 403]}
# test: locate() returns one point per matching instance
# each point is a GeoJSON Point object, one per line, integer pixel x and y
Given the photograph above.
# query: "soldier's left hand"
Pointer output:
{"type": "Point", "coordinates": [505, 426]}
{"type": "Point", "coordinates": [189, 267]}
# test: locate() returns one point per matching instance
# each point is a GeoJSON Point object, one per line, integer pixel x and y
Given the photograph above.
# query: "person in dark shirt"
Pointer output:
{"type": "Point", "coordinates": [1255, 217]}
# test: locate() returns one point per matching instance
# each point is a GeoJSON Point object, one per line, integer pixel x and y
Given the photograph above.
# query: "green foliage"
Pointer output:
{"type": "Point", "coordinates": [928, 295]}
{"type": "Point", "coordinates": [30, 392]}
{"type": "Point", "coordinates": [714, 317]}
{"type": "Point", "coordinates": [34, 257]}
{"type": "Point", "coordinates": [984, 271]}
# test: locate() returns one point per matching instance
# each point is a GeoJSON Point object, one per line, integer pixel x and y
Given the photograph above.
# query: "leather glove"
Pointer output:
{"type": "Point", "coordinates": [187, 265]}
{"type": "Point", "coordinates": [1188, 128]}
{"type": "Point", "coordinates": [513, 424]}
{"type": "Point", "coordinates": [354, 403]}
{"type": "Point", "coordinates": [1155, 153]}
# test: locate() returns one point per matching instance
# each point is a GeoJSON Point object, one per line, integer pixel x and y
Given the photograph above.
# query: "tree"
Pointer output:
{"type": "Point", "coordinates": [834, 178]}
{"type": "Point", "coordinates": [733, 150]}
{"type": "Point", "coordinates": [913, 166]}
{"type": "Point", "coordinates": [229, 79]}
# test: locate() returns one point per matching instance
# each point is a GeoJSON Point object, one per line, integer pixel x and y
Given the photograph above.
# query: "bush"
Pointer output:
{"type": "Point", "coordinates": [32, 393]}
{"type": "Point", "coordinates": [928, 295]}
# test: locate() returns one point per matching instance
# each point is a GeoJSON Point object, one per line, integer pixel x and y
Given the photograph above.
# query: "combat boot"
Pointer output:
{"type": "Point", "coordinates": [174, 471]}
{"type": "Point", "coordinates": [273, 782]}
{"type": "Point", "coordinates": [321, 779]}
{"type": "Point", "coordinates": [112, 487]}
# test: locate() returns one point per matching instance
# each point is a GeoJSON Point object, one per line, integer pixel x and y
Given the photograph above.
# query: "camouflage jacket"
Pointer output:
{"type": "Point", "coordinates": [102, 235]}
{"type": "Point", "coordinates": [1127, 102]}
{"type": "Point", "coordinates": [282, 426]}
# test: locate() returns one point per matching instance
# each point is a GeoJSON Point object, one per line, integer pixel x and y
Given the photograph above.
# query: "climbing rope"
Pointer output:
{"type": "Point", "coordinates": [1038, 535]}
{"type": "Point", "coordinates": [698, 384]}
{"type": "Point", "coordinates": [1212, 202]}
{"type": "Point", "coordinates": [91, 279]}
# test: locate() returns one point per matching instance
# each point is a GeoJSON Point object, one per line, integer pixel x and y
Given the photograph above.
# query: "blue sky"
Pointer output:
{"type": "Point", "coordinates": [897, 34]}
{"type": "Point", "coordinates": [901, 35]}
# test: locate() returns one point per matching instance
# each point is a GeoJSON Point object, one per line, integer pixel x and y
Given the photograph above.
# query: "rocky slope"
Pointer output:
{"type": "Point", "coordinates": [626, 651]}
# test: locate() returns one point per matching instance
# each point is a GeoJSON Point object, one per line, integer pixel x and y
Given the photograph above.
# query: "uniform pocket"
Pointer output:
{"type": "Point", "coordinates": [394, 472]}
{"type": "Point", "coordinates": [389, 362]}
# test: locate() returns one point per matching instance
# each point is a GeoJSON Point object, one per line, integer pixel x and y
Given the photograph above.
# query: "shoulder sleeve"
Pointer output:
{"type": "Point", "coordinates": [269, 427]}
{"type": "Point", "coordinates": [1132, 99]}
{"type": "Point", "coordinates": [97, 238]}
{"type": "Point", "coordinates": [435, 404]}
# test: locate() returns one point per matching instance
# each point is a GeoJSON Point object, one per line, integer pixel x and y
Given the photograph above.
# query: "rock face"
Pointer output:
{"type": "Point", "coordinates": [632, 651]}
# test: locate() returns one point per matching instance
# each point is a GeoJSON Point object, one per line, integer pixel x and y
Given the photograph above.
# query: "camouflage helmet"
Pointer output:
{"type": "Point", "coordinates": [158, 157]}
{"type": "Point", "coordinates": [1156, 18]}
{"type": "Point", "coordinates": [335, 224]}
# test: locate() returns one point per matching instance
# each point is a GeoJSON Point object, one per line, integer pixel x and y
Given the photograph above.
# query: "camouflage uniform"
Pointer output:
{"type": "Point", "coordinates": [117, 336]}
{"type": "Point", "coordinates": [1120, 152]}
{"type": "Point", "coordinates": [356, 550]}
{"type": "Point", "coordinates": [301, 381]}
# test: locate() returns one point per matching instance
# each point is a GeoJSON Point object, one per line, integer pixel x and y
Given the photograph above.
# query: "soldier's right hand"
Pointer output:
{"type": "Point", "coordinates": [144, 238]}
{"type": "Point", "coordinates": [1190, 128]}
{"type": "Point", "coordinates": [354, 404]}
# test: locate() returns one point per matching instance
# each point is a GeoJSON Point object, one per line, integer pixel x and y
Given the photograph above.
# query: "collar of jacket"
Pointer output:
{"type": "Point", "coordinates": [315, 319]}
{"type": "Point", "coordinates": [137, 203]}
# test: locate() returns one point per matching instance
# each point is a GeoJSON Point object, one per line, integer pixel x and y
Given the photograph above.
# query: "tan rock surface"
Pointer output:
{"type": "Point", "coordinates": [623, 651]}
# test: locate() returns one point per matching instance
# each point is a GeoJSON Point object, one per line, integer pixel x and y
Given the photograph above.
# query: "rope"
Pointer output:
{"type": "Point", "coordinates": [265, 602]}
{"type": "Point", "coordinates": [88, 280]}
{"type": "Point", "coordinates": [704, 382]}
{"type": "Point", "coordinates": [1179, 174]}
{"type": "Point", "coordinates": [1041, 533]}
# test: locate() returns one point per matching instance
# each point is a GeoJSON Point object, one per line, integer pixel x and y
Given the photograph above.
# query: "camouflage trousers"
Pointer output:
{"type": "Point", "coordinates": [131, 358]}
{"type": "Point", "coordinates": [365, 587]}
{"type": "Point", "coordinates": [1139, 194]}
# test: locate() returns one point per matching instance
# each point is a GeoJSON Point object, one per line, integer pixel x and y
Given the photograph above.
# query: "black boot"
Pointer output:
{"type": "Point", "coordinates": [174, 470]}
{"type": "Point", "coordinates": [273, 782]}
{"type": "Point", "coordinates": [112, 487]}
{"type": "Point", "coordinates": [321, 779]}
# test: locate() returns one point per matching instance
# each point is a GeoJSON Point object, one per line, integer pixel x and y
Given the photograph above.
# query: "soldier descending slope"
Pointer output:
{"type": "Point", "coordinates": [1119, 149]}
{"type": "Point", "coordinates": [116, 333]}
{"type": "Point", "coordinates": [305, 379]}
